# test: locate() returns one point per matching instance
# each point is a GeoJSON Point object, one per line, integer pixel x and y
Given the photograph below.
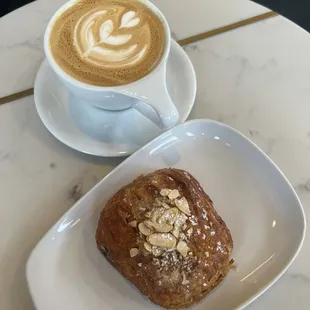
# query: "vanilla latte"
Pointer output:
{"type": "Point", "coordinates": [107, 42]}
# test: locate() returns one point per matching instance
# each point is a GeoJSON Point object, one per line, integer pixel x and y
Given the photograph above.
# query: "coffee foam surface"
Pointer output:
{"type": "Point", "coordinates": [107, 42]}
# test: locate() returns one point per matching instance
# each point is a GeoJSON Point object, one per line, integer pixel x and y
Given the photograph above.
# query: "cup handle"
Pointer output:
{"type": "Point", "coordinates": [153, 91]}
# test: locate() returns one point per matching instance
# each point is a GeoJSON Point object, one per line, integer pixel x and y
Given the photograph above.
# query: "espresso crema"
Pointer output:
{"type": "Point", "coordinates": [107, 42]}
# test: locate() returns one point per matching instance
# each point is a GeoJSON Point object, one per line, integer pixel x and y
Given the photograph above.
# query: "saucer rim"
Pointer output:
{"type": "Point", "coordinates": [111, 153]}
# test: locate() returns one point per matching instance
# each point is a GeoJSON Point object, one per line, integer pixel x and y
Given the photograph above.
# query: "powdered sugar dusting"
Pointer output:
{"type": "Point", "coordinates": [219, 247]}
{"type": "Point", "coordinates": [204, 214]}
{"type": "Point", "coordinates": [193, 220]}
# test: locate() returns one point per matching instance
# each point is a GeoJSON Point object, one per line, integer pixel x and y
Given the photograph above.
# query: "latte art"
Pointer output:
{"type": "Point", "coordinates": [108, 42]}
{"type": "Point", "coordinates": [108, 38]}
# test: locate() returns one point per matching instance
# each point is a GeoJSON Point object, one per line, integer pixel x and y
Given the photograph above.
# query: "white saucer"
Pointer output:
{"type": "Point", "coordinates": [103, 133]}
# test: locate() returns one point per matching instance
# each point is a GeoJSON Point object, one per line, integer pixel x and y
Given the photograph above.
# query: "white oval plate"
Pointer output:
{"type": "Point", "coordinates": [264, 214]}
{"type": "Point", "coordinates": [105, 133]}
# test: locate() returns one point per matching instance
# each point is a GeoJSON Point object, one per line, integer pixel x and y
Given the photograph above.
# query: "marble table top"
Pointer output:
{"type": "Point", "coordinates": [255, 79]}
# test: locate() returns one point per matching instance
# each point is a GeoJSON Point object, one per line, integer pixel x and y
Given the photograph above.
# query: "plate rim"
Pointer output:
{"type": "Point", "coordinates": [175, 45]}
{"type": "Point", "coordinates": [264, 287]}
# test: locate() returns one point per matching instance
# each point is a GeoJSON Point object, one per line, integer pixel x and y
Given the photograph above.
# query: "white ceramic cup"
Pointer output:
{"type": "Point", "coordinates": [149, 91]}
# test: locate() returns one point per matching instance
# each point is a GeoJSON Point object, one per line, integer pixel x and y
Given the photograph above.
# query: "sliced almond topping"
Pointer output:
{"type": "Point", "coordinates": [159, 227]}
{"type": "Point", "coordinates": [165, 192]}
{"type": "Point", "coordinates": [173, 194]}
{"type": "Point", "coordinates": [147, 246]}
{"type": "Point", "coordinates": [165, 205]}
{"type": "Point", "coordinates": [148, 223]}
{"type": "Point", "coordinates": [182, 204]}
{"type": "Point", "coordinates": [133, 252]}
{"type": "Point", "coordinates": [182, 236]}
{"type": "Point", "coordinates": [176, 232]}
{"type": "Point", "coordinates": [157, 213]}
{"type": "Point", "coordinates": [140, 264]}
{"type": "Point", "coordinates": [148, 214]}
{"type": "Point", "coordinates": [189, 232]}
{"type": "Point", "coordinates": [180, 220]}
{"type": "Point", "coordinates": [183, 248]}
{"type": "Point", "coordinates": [184, 281]}
{"type": "Point", "coordinates": [146, 231]}
{"type": "Point", "coordinates": [163, 240]}
{"type": "Point", "coordinates": [133, 224]}
{"type": "Point", "coordinates": [169, 216]}
{"type": "Point", "coordinates": [207, 254]}
{"type": "Point", "coordinates": [234, 267]}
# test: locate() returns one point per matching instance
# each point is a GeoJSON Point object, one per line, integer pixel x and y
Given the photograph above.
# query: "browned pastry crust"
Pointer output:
{"type": "Point", "coordinates": [169, 278]}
